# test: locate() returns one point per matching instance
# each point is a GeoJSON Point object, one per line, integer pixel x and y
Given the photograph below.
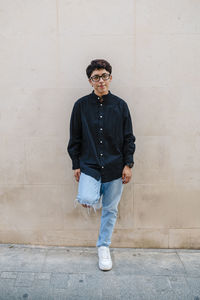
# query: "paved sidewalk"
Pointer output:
{"type": "Point", "coordinates": [37, 272]}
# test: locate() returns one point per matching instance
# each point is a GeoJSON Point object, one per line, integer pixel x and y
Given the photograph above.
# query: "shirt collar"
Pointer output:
{"type": "Point", "coordinates": [97, 98]}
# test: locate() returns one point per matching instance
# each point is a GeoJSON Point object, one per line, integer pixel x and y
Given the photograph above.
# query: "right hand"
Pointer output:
{"type": "Point", "coordinates": [77, 173]}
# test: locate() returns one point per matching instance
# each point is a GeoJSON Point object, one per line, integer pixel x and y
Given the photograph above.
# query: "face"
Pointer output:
{"type": "Point", "coordinates": [101, 87]}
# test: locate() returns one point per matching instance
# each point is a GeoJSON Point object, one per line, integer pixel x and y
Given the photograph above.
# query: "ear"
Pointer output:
{"type": "Point", "coordinates": [90, 81]}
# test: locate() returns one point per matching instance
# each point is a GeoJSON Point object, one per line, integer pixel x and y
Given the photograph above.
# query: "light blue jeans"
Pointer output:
{"type": "Point", "coordinates": [106, 195]}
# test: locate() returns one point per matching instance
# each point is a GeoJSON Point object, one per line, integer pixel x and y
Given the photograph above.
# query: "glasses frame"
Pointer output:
{"type": "Point", "coordinates": [100, 77]}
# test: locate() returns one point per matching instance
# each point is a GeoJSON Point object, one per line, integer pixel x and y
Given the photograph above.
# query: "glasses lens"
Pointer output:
{"type": "Point", "coordinates": [95, 78]}
{"type": "Point", "coordinates": [105, 76]}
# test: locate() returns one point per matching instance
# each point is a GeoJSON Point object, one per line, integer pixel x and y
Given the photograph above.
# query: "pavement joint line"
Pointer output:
{"type": "Point", "coordinates": [115, 274]}
{"type": "Point", "coordinates": [83, 248]}
{"type": "Point", "coordinates": [44, 261]}
{"type": "Point", "coordinates": [186, 273]}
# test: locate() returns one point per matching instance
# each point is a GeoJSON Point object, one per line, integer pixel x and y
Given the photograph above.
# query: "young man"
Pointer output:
{"type": "Point", "coordinates": [101, 147]}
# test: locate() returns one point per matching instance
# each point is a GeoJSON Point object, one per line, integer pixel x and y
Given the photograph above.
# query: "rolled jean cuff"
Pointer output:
{"type": "Point", "coordinates": [96, 205]}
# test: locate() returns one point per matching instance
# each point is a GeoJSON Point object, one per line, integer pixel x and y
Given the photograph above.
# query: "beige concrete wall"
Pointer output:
{"type": "Point", "coordinates": [154, 49]}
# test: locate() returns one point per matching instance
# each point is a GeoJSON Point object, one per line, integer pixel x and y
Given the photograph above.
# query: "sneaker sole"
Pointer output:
{"type": "Point", "coordinates": [105, 269]}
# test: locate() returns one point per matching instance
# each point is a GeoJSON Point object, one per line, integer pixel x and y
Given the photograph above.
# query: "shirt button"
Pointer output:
{"type": "Point", "coordinates": [100, 116]}
{"type": "Point", "coordinates": [100, 141]}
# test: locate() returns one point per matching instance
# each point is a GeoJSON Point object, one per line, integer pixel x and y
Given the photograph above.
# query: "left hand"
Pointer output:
{"type": "Point", "coordinates": [126, 175]}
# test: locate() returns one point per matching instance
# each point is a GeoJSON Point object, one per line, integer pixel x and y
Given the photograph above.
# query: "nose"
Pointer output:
{"type": "Point", "coordinates": [101, 79]}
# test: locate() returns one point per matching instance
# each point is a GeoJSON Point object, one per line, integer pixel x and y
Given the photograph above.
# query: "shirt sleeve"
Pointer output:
{"type": "Point", "coordinates": [129, 138]}
{"type": "Point", "coordinates": [74, 145]}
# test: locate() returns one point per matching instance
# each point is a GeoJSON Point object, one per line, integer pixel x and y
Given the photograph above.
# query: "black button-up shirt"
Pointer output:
{"type": "Point", "coordinates": [101, 137]}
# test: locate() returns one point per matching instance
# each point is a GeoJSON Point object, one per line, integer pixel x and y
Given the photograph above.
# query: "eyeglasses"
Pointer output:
{"type": "Point", "coordinates": [104, 76]}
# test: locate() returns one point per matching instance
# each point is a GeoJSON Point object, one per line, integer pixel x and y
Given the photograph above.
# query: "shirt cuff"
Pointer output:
{"type": "Point", "coordinates": [75, 164]}
{"type": "Point", "coordinates": [128, 160]}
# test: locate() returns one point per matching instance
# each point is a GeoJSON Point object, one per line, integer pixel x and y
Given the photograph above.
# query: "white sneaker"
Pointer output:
{"type": "Point", "coordinates": [105, 261]}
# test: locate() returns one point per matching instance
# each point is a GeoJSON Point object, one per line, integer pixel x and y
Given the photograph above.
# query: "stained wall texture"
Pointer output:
{"type": "Point", "coordinates": [45, 47]}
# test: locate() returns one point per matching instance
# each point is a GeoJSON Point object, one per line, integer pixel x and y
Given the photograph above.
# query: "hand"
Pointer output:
{"type": "Point", "coordinates": [77, 173]}
{"type": "Point", "coordinates": [126, 175]}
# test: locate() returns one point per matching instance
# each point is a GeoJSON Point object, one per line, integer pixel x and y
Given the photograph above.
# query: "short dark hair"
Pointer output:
{"type": "Point", "coordinates": [98, 64]}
